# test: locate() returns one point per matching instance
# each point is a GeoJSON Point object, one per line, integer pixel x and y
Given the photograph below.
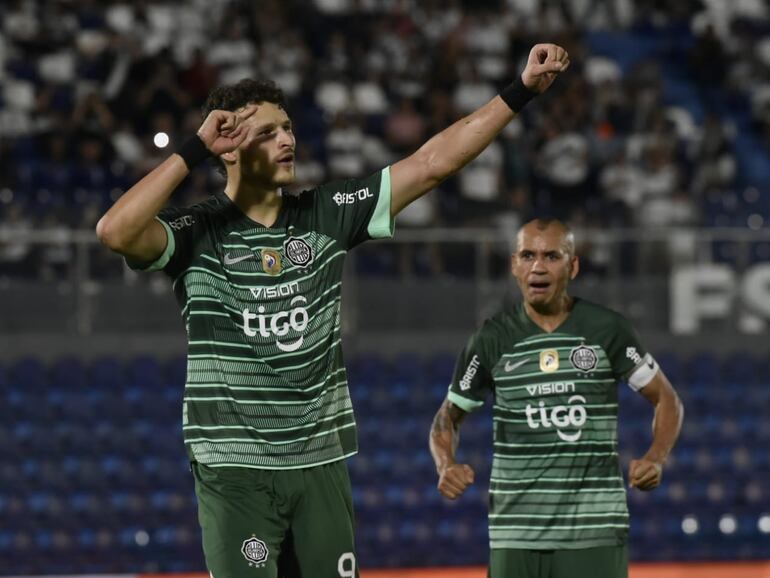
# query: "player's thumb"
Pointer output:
{"type": "Point", "coordinates": [468, 474]}
{"type": "Point", "coordinates": [547, 67]}
{"type": "Point", "coordinates": [633, 471]}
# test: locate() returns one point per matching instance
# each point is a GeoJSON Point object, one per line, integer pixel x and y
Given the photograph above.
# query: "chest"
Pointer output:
{"type": "Point", "coordinates": [554, 371]}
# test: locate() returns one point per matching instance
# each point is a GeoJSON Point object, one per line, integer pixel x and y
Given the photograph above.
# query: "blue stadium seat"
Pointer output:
{"type": "Point", "coordinates": [145, 371]}
{"type": "Point", "coordinates": [175, 371]}
{"type": "Point", "coordinates": [441, 367]}
{"type": "Point", "coordinates": [409, 368]}
{"type": "Point", "coordinates": [107, 373]}
{"type": "Point", "coordinates": [740, 369]}
{"type": "Point", "coordinates": [112, 464]}
{"type": "Point", "coordinates": [28, 374]}
{"type": "Point", "coordinates": [69, 373]}
{"type": "Point", "coordinates": [703, 369]}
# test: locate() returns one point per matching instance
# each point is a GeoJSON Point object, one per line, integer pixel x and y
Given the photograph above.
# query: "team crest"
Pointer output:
{"type": "Point", "coordinates": [549, 360]}
{"type": "Point", "coordinates": [298, 251]}
{"type": "Point", "coordinates": [271, 261]}
{"type": "Point", "coordinates": [583, 358]}
{"type": "Point", "coordinates": [255, 551]}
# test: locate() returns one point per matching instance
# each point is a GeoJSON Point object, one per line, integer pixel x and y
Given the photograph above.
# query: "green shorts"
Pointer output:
{"type": "Point", "coordinates": [604, 562]}
{"type": "Point", "coordinates": [271, 523]}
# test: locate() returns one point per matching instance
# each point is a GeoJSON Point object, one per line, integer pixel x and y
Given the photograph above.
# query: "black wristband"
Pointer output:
{"type": "Point", "coordinates": [516, 95]}
{"type": "Point", "coordinates": [193, 152]}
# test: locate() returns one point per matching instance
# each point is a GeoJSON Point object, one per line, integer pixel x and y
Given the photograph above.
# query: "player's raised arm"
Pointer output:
{"type": "Point", "coordinates": [129, 227]}
{"type": "Point", "coordinates": [453, 148]}
{"type": "Point", "coordinates": [454, 478]}
{"type": "Point", "coordinates": [646, 472]}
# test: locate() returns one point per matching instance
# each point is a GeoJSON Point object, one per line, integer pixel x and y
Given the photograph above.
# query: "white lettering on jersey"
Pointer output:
{"type": "Point", "coordinates": [350, 198]}
{"type": "Point", "coordinates": [633, 355]}
{"type": "Point", "coordinates": [279, 324]}
{"type": "Point", "coordinates": [549, 388]}
{"type": "Point", "coordinates": [470, 373]}
{"type": "Point", "coordinates": [282, 290]}
{"type": "Point", "coordinates": [181, 222]}
{"type": "Point", "coordinates": [570, 416]}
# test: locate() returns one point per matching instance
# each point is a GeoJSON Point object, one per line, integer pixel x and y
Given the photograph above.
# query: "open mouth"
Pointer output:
{"type": "Point", "coordinates": [286, 160]}
{"type": "Point", "coordinates": [539, 286]}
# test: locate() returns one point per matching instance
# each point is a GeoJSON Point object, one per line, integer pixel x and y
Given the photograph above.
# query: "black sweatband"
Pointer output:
{"type": "Point", "coordinates": [516, 95]}
{"type": "Point", "coordinates": [193, 152]}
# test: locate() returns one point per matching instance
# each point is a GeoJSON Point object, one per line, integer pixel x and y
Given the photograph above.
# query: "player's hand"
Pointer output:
{"type": "Point", "coordinates": [545, 63]}
{"type": "Point", "coordinates": [454, 479]}
{"type": "Point", "coordinates": [645, 474]}
{"type": "Point", "coordinates": [224, 131]}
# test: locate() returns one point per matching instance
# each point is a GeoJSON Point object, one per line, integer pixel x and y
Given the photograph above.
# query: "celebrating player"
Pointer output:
{"type": "Point", "coordinates": [557, 500]}
{"type": "Point", "coordinates": [267, 417]}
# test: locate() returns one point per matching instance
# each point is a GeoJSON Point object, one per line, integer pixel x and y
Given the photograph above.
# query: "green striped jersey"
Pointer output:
{"type": "Point", "coordinates": [266, 386]}
{"type": "Point", "coordinates": [556, 481]}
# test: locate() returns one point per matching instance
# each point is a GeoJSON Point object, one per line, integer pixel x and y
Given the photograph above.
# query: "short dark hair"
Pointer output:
{"type": "Point", "coordinates": [234, 96]}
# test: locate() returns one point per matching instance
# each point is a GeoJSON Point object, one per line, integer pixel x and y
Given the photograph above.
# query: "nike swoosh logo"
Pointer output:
{"type": "Point", "coordinates": [651, 365]}
{"type": "Point", "coordinates": [509, 367]}
{"type": "Point", "coordinates": [233, 260]}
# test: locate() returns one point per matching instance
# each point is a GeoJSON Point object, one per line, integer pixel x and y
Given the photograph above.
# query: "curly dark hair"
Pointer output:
{"type": "Point", "coordinates": [234, 96]}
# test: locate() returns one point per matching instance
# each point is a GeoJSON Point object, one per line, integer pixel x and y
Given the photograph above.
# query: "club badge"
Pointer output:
{"type": "Point", "coordinates": [583, 358]}
{"type": "Point", "coordinates": [298, 251]}
{"type": "Point", "coordinates": [255, 551]}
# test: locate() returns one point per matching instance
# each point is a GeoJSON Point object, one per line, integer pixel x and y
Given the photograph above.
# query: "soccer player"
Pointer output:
{"type": "Point", "coordinates": [556, 497]}
{"type": "Point", "coordinates": [267, 418]}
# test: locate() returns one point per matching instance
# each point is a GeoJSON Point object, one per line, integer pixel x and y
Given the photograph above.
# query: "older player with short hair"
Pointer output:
{"type": "Point", "coordinates": [553, 363]}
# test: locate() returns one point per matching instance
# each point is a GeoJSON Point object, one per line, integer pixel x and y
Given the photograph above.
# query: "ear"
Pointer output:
{"type": "Point", "coordinates": [513, 264]}
{"type": "Point", "coordinates": [574, 267]}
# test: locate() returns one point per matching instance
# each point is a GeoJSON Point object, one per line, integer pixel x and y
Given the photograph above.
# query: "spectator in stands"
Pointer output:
{"type": "Point", "coordinates": [622, 184]}
{"type": "Point", "coordinates": [564, 169]}
{"type": "Point", "coordinates": [15, 252]}
{"type": "Point", "coordinates": [80, 63]}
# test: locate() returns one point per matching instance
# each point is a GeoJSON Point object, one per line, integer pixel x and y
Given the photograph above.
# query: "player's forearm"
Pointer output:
{"type": "Point", "coordinates": [444, 438]}
{"type": "Point", "coordinates": [666, 426]}
{"type": "Point", "coordinates": [454, 147]}
{"type": "Point", "coordinates": [134, 211]}
{"type": "Point", "coordinates": [442, 447]}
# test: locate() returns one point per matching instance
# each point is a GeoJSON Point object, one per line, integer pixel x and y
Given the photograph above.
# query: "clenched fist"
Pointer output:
{"type": "Point", "coordinates": [545, 63]}
{"type": "Point", "coordinates": [224, 131]}
{"type": "Point", "coordinates": [645, 474]}
{"type": "Point", "coordinates": [454, 480]}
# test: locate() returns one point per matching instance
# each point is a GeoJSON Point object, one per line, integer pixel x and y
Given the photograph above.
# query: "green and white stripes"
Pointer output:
{"type": "Point", "coordinates": [247, 401]}
{"type": "Point", "coordinates": [556, 480]}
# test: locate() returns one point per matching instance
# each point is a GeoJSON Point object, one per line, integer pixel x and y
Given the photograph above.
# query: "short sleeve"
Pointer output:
{"type": "Point", "coordinates": [624, 348]}
{"type": "Point", "coordinates": [472, 381]}
{"type": "Point", "coordinates": [355, 210]}
{"type": "Point", "coordinates": [183, 228]}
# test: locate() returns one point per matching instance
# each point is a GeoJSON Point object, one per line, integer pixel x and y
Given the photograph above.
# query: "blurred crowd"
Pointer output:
{"type": "Point", "coordinates": [639, 133]}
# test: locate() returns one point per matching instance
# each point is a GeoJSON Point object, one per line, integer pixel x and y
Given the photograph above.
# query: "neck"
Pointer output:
{"type": "Point", "coordinates": [549, 316]}
{"type": "Point", "coordinates": [259, 203]}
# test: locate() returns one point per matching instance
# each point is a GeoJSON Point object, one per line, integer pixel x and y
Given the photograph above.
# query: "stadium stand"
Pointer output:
{"type": "Point", "coordinates": [94, 477]}
{"type": "Point", "coordinates": [663, 122]}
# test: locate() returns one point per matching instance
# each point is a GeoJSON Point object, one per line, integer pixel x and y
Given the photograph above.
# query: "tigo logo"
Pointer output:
{"type": "Point", "coordinates": [559, 416]}
{"type": "Point", "coordinates": [279, 324]}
